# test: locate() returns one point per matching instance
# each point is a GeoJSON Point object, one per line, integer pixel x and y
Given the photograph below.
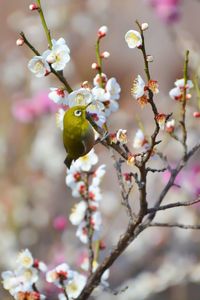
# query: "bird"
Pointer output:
{"type": "Point", "coordinates": [78, 134]}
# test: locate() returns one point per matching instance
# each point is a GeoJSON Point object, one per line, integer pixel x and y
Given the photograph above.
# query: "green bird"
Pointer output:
{"type": "Point", "coordinates": [78, 134]}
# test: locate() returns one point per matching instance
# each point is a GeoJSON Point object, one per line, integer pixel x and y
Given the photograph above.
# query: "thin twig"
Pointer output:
{"type": "Point", "coordinates": [44, 24]}
{"type": "Point", "coordinates": [172, 205]}
{"type": "Point", "coordinates": [90, 230]}
{"type": "Point", "coordinates": [124, 194]}
{"type": "Point", "coordinates": [178, 225]}
{"type": "Point", "coordinates": [99, 61]}
{"type": "Point", "coordinates": [184, 100]}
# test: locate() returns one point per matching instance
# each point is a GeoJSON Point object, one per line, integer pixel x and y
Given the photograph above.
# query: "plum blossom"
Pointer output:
{"type": "Point", "coordinates": [121, 136]}
{"type": "Point", "coordinates": [167, 10]}
{"type": "Point", "coordinates": [58, 56]}
{"type": "Point", "coordinates": [59, 118]}
{"type": "Point", "coordinates": [60, 223]}
{"type": "Point", "coordinates": [61, 273]}
{"type": "Point", "coordinates": [58, 95]}
{"type": "Point", "coordinates": [85, 266]}
{"type": "Point", "coordinates": [86, 162]}
{"type": "Point", "coordinates": [81, 232]}
{"type": "Point", "coordinates": [138, 88]}
{"type": "Point", "coordinates": [133, 39]}
{"type": "Point", "coordinates": [73, 176]}
{"type": "Point", "coordinates": [161, 119]}
{"type": "Point", "coordinates": [94, 193]}
{"type": "Point", "coordinates": [76, 285]}
{"type": "Point", "coordinates": [177, 92]}
{"type": "Point", "coordinates": [78, 213]}
{"type": "Point", "coordinates": [170, 125]}
{"type": "Point", "coordinates": [102, 31]}
{"type": "Point", "coordinates": [96, 220]}
{"type": "Point", "coordinates": [98, 79]}
{"type": "Point", "coordinates": [153, 86]}
{"type": "Point", "coordinates": [139, 139]}
{"type": "Point", "coordinates": [113, 89]}
{"type": "Point", "coordinates": [98, 93]}
{"type": "Point", "coordinates": [27, 110]}
{"type": "Point", "coordinates": [38, 66]}
{"type": "Point", "coordinates": [98, 175]}
{"type": "Point", "coordinates": [25, 259]}
{"type": "Point", "coordinates": [79, 189]}
{"type": "Point", "coordinates": [20, 281]}
{"type": "Point", "coordinates": [81, 96]}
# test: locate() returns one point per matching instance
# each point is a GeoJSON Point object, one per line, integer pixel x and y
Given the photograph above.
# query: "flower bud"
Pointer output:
{"type": "Point", "coordinates": [161, 119]}
{"type": "Point", "coordinates": [33, 6]}
{"type": "Point", "coordinates": [196, 114]}
{"type": "Point", "coordinates": [105, 54]}
{"type": "Point", "coordinates": [85, 85]}
{"type": "Point", "coordinates": [20, 41]}
{"type": "Point", "coordinates": [94, 66]}
{"type": "Point", "coordinates": [149, 58]}
{"type": "Point", "coordinates": [102, 31]}
{"type": "Point", "coordinates": [144, 26]}
{"type": "Point", "coordinates": [102, 245]}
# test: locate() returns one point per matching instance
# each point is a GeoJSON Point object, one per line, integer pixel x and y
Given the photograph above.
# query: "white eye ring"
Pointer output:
{"type": "Point", "coordinates": [78, 113]}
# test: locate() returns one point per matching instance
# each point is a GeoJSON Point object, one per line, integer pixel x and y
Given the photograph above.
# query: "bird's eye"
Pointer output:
{"type": "Point", "coordinates": [77, 113]}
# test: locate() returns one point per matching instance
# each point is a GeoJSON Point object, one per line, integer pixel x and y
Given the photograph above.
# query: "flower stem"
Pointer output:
{"type": "Point", "coordinates": [44, 24]}
{"type": "Point", "coordinates": [99, 61]}
{"type": "Point", "coordinates": [143, 49]}
{"type": "Point", "coordinates": [182, 122]}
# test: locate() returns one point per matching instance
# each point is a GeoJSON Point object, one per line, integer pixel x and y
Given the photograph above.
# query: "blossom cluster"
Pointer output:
{"type": "Point", "coordinates": [103, 96]}
{"type": "Point", "coordinates": [56, 57]}
{"type": "Point", "coordinates": [177, 93]}
{"type": "Point", "coordinates": [21, 282]}
{"type": "Point", "coordinates": [78, 180]}
{"type": "Point", "coordinates": [103, 101]}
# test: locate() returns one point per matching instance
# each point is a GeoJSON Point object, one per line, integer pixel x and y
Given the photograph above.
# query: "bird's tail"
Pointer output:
{"type": "Point", "coordinates": [68, 161]}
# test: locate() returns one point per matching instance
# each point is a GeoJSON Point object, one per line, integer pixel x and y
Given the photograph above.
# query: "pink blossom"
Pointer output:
{"type": "Point", "coordinates": [60, 223]}
{"type": "Point", "coordinates": [27, 110]}
{"type": "Point", "coordinates": [167, 10]}
{"type": "Point", "coordinates": [188, 179]}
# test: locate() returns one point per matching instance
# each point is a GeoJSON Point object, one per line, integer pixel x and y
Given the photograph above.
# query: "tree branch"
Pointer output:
{"type": "Point", "coordinates": [178, 225]}
{"type": "Point", "coordinates": [172, 205]}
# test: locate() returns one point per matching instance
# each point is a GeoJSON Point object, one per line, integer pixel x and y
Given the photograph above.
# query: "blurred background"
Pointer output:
{"type": "Point", "coordinates": [162, 263]}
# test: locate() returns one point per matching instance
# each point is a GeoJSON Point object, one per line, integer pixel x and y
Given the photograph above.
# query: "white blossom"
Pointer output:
{"type": "Point", "coordinates": [59, 118]}
{"type": "Point", "coordinates": [121, 136]}
{"type": "Point", "coordinates": [73, 176]}
{"type": "Point", "coordinates": [25, 259]}
{"type": "Point", "coordinates": [139, 139]}
{"type": "Point", "coordinates": [76, 285]}
{"type": "Point", "coordinates": [113, 89]}
{"type": "Point", "coordinates": [137, 90]}
{"type": "Point", "coordinates": [38, 66]}
{"type": "Point", "coordinates": [98, 93]}
{"type": "Point", "coordinates": [59, 96]}
{"type": "Point", "coordinates": [96, 220]}
{"type": "Point", "coordinates": [81, 96]}
{"type": "Point", "coordinates": [81, 232]}
{"type": "Point", "coordinates": [61, 272]}
{"type": "Point", "coordinates": [86, 162]}
{"type": "Point", "coordinates": [98, 175]}
{"type": "Point", "coordinates": [79, 189]}
{"type": "Point", "coordinates": [133, 39]}
{"type": "Point", "coordinates": [180, 83]}
{"type": "Point", "coordinates": [58, 56]}
{"type": "Point", "coordinates": [97, 80]}
{"type": "Point", "coordinates": [78, 213]}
